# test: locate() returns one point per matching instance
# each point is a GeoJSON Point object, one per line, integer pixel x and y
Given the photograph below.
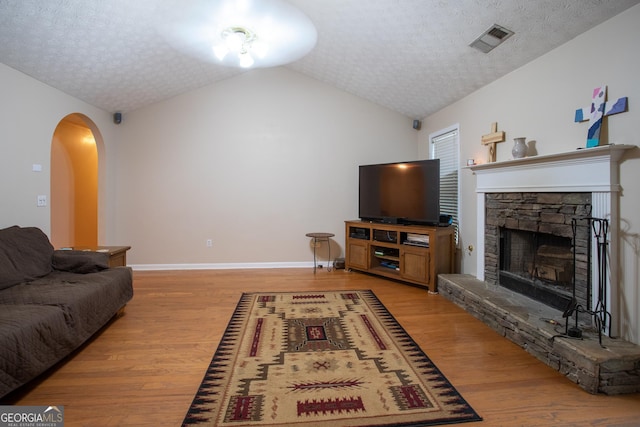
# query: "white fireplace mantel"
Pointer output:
{"type": "Point", "coordinates": [593, 170]}
{"type": "Point", "coordinates": [589, 169]}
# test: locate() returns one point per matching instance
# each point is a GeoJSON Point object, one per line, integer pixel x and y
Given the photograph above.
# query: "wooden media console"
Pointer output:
{"type": "Point", "coordinates": [410, 253]}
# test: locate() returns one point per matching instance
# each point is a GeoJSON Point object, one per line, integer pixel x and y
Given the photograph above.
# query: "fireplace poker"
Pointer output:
{"type": "Point", "coordinates": [573, 308]}
{"type": "Point", "coordinates": [600, 231]}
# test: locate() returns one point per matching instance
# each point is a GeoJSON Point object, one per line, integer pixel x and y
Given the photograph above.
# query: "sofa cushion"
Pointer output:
{"type": "Point", "coordinates": [34, 338]}
{"type": "Point", "coordinates": [25, 255]}
{"type": "Point", "coordinates": [44, 320]}
{"type": "Point", "coordinates": [88, 300]}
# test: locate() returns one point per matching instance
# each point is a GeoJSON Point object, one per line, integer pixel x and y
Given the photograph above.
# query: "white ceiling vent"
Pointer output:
{"type": "Point", "coordinates": [491, 38]}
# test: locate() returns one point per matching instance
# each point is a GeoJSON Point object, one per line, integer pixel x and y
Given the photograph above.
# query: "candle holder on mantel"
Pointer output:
{"type": "Point", "coordinates": [519, 149]}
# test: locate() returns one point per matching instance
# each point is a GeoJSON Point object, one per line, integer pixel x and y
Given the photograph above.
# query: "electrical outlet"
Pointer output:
{"type": "Point", "coordinates": [209, 243]}
{"type": "Point", "coordinates": [42, 201]}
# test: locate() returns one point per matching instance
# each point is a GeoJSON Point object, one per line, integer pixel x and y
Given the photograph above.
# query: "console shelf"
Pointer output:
{"type": "Point", "coordinates": [410, 253]}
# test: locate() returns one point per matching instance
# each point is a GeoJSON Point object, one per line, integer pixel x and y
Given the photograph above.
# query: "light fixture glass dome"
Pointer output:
{"type": "Point", "coordinates": [243, 33]}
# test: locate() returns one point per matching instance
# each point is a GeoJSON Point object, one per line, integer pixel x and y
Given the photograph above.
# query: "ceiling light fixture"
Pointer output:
{"type": "Point", "coordinates": [244, 33]}
{"type": "Point", "coordinates": [241, 42]}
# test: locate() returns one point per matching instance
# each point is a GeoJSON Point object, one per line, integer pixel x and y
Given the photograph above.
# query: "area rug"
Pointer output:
{"type": "Point", "coordinates": [322, 359]}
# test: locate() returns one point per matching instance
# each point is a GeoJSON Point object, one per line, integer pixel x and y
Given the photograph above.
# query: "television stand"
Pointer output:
{"type": "Point", "coordinates": [410, 253]}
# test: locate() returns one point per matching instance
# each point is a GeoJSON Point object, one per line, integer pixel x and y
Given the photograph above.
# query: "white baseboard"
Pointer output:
{"type": "Point", "coordinates": [224, 266]}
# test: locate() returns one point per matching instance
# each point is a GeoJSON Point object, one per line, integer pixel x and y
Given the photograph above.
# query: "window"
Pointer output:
{"type": "Point", "coordinates": [445, 145]}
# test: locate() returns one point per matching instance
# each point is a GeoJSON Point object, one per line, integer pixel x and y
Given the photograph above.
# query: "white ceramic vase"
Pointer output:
{"type": "Point", "coordinates": [519, 149]}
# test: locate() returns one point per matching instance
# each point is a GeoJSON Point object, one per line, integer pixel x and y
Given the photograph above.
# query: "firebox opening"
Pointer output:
{"type": "Point", "coordinates": [538, 265]}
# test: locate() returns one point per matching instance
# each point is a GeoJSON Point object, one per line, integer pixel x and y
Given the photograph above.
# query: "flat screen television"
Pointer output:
{"type": "Point", "coordinates": [400, 193]}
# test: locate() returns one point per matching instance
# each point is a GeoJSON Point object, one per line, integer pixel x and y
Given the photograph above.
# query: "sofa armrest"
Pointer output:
{"type": "Point", "coordinates": [79, 261]}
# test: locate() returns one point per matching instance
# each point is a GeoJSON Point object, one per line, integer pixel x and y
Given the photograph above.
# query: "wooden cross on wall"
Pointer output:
{"type": "Point", "coordinates": [597, 112]}
{"type": "Point", "coordinates": [491, 139]}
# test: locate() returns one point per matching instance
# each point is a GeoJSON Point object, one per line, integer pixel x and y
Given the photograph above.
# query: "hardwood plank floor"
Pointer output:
{"type": "Point", "coordinates": [145, 367]}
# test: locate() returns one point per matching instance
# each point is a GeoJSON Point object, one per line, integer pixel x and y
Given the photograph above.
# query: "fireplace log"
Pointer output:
{"type": "Point", "coordinates": [547, 272]}
{"type": "Point", "coordinates": [554, 263]}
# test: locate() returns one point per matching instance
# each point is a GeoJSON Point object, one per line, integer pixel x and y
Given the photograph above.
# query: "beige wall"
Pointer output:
{"type": "Point", "coordinates": [29, 114]}
{"type": "Point", "coordinates": [252, 163]}
{"type": "Point", "coordinates": [538, 101]}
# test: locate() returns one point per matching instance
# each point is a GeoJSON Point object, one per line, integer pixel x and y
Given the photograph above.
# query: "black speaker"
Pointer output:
{"type": "Point", "coordinates": [117, 118]}
{"type": "Point", "coordinates": [417, 124]}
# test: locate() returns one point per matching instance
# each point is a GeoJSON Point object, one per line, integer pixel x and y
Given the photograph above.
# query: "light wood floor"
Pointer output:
{"type": "Point", "coordinates": [145, 367]}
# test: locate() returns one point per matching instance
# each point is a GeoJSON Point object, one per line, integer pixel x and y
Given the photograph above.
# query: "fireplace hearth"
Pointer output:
{"type": "Point", "coordinates": [610, 368]}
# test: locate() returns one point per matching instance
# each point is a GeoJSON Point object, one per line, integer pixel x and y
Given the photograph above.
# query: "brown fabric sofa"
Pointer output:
{"type": "Point", "coordinates": [51, 301]}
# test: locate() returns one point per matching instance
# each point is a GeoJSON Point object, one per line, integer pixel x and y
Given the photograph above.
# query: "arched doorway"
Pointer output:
{"type": "Point", "coordinates": [74, 183]}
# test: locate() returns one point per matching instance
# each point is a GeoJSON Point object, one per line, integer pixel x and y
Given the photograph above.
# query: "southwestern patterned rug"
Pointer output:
{"type": "Point", "coordinates": [322, 359]}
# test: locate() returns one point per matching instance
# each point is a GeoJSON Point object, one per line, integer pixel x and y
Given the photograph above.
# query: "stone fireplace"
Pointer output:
{"type": "Point", "coordinates": [542, 195]}
{"type": "Point", "coordinates": [530, 239]}
{"type": "Point", "coordinates": [535, 241]}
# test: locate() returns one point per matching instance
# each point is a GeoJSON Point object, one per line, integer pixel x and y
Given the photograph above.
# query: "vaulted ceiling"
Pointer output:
{"type": "Point", "coordinates": [411, 56]}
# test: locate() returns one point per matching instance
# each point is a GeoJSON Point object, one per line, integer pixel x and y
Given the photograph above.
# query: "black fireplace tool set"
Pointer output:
{"type": "Point", "coordinates": [601, 317]}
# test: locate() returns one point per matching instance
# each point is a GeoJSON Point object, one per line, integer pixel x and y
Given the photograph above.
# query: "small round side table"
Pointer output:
{"type": "Point", "coordinates": [321, 237]}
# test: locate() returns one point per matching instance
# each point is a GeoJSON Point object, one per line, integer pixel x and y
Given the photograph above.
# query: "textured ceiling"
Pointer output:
{"type": "Point", "coordinates": [411, 56]}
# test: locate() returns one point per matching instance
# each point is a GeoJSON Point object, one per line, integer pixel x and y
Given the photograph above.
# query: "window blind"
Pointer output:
{"type": "Point", "coordinates": [445, 147]}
